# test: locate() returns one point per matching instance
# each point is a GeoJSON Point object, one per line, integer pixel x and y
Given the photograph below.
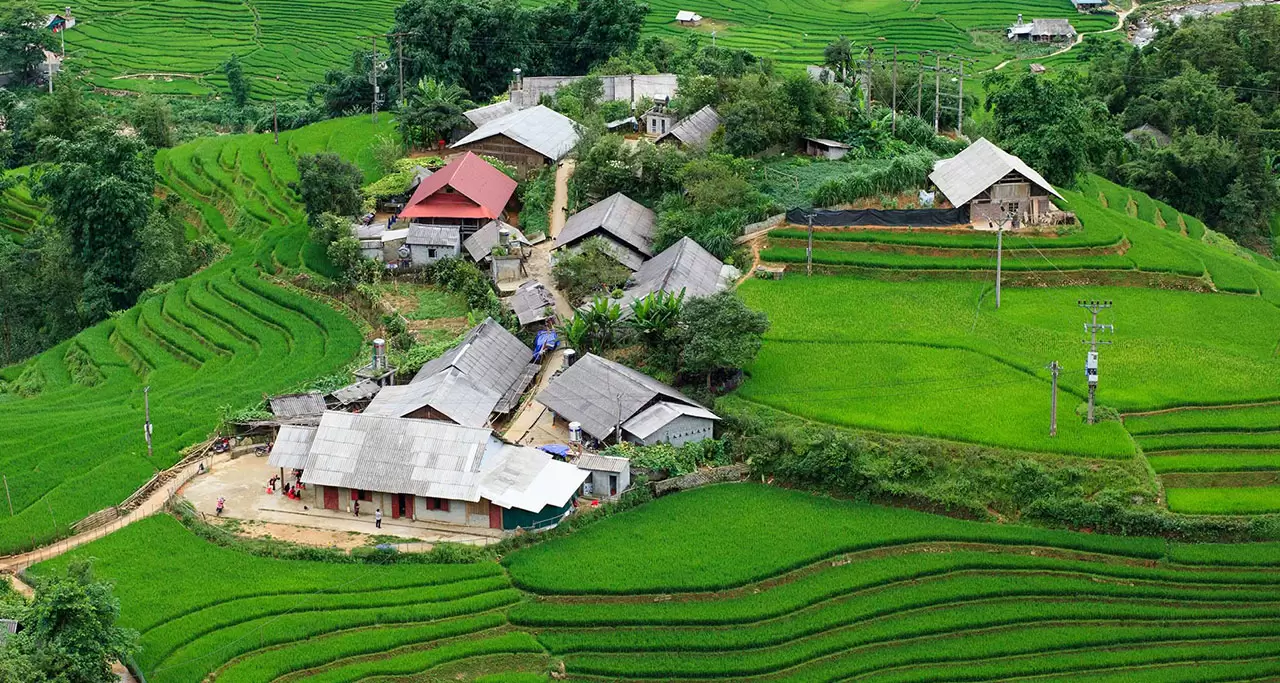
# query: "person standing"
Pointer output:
{"type": "Point", "coordinates": [377, 518]}
{"type": "Point", "coordinates": [356, 507]}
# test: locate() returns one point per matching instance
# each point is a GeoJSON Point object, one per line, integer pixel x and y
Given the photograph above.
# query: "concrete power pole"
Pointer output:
{"type": "Point", "coordinates": [1054, 369]}
{"type": "Point", "coordinates": [960, 102]}
{"type": "Point", "coordinates": [894, 105]}
{"type": "Point", "coordinates": [937, 88]}
{"type": "Point", "coordinates": [1091, 360]}
{"type": "Point", "coordinates": [1010, 215]}
{"type": "Point", "coordinates": [808, 252]}
{"type": "Point", "coordinates": [373, 76]}
{"type": "Point", "coordinates": [871, 70]}
{"type": "Point", "coordinates": [919, 85]}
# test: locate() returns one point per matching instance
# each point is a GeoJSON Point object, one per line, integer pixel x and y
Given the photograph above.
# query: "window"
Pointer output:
{"type": "Point", "coordinates": [431, 252]}
{"type": "Point", "coordinates": [366, 496]}
{"type": "Point", "coordinates": [441, 504]}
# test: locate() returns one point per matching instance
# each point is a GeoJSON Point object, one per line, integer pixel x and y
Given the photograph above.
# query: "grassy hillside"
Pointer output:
{"type": "Point", "coordinates": [218, 339]}
{"type": "Point", "coordinates": [178, 46]}
{"type": "Point", "coordinates": [729, 582]}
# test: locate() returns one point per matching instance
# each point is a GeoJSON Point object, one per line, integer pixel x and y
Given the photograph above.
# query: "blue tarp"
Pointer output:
{"type": "Point", "coordinates": [556, 449]}
{"type": "Point", "coordinates": [544, 342]}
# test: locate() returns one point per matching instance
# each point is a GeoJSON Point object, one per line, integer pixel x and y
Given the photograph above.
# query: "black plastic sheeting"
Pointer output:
{"type": "Point", "coordinates": [831, 218]}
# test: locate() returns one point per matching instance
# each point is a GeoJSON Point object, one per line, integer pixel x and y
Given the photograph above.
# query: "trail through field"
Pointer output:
{"type": "Point", "coordinates": [152, 504]}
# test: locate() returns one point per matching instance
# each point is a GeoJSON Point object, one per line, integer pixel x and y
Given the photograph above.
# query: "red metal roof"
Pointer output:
{"type": "Point", "coordinates": [467, 187]}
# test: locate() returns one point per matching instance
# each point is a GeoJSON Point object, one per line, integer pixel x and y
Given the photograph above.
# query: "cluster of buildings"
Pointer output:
{"type": "Point", "coordinates": [427, 450]}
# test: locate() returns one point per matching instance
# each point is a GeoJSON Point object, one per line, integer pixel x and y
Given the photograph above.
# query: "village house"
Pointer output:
{"type": "Point", "coordinates": [607, 398]}
{"type": "Point", "coordinates": [477, 381]}
{"type": "Point", "coordinates": [693, 131]}
{"type": "Point", "coordinates": [466, 193]}
{"type": "Point", "coordinates": [687, 18]}
{"type": "Point", "coordinates": [626, 225]}
{"type": "Point", "coordinates": [608, 478]}
{"type": "Point", "coordinates": [660, 119]}
{"type": "Point", "coordinates": [1089, 6]}
{"type": "Point", "coordinates": [532, 303]}
{"type": "Point", "coordinates": [427, 471]}
{"type": "Point", "coordinates": [1042, 30]}
{"type": "Point", "coordinates": [824, 148]}
{"type": "Point", "coordinates": [991, 181]}
{"type": "Point", "coordinates": [527, 139]}
{"type": "Point", "coordinates": [490, 112]}
{"type": "Point", "coordinates": [528, 91]}
{"type": "Point", "coordinates": [683, 267]}
{"type": "Point", "coordinates": [430, 243]}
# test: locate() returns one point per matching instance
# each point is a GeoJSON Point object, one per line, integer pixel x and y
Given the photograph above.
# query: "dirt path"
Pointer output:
{"type": "Point", "coordinates": [560, 205]}
{"type": "Point", "coordinates": [151, 505]}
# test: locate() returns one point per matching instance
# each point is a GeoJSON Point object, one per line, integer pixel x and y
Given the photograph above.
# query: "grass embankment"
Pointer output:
{"type": "Point", "coordinates": [222, 337]}
{"type": "Point", "coordinates": [203, 609]}
{"type": "Point", "coordinates": [938, 359]}
{"type": "Point", "coordinates": [755, 583]}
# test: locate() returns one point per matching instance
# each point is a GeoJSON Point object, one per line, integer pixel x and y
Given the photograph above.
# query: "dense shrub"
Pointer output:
{"type": "Point", "coordinates": [903, 173]}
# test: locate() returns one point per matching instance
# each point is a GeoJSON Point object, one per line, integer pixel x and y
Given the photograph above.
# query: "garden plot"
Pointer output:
{"type": "Point", "coordinates": [853, 590]}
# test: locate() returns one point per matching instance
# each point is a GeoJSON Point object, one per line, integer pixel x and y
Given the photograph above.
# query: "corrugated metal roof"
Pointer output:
{"type": "Point", "coordinates": [482, 115]}
{"type": "Point", "coordinates": [696, 129]}
{"type": "Point", "coordinates": [686, 15]}
{"type": "Point", "coordinates": [288, 407]}
{"type": "Point", "coordinates": [449, 392]}
{"type": "Point", "coordinates": [653, 418]}
{"type": "Point", "coordinates": [485, 191]}
{"type": "Point", "coordinates": [482, 241]}
{"type": "Point", "coordinates": [602, 463]}
{"type": "Point", "coordinates": [434, 235]}
{"type": "Point", "coordinates": [359, 391]}
{"type": "Point", "coordinates": [1052, 27]}
{"type": "Point", "coordinates": [965, 175]}
{"type": "Point", "coordinates": [529, 479]}
{"type": "Point", "coordinates": [599, 393]}
{"type": "Point", "coordinates": [397, 455]}
{"type": "Point", "coordinates": [491, 358]}
{"type": "Point", "coordinates": [627, 220]}
{"type": "Point", "coordinates": [685, 266]}
{"type": "Point", "coordinates": [542, 130]}
{"type": "Point", "coordinates": [531, 301]}
{"type": "Point", "coordinates": [835, 144]}
{"type": "Point", "coordinates": [291, 447]}
{"type": "Point", "coordinates": [393, 235]}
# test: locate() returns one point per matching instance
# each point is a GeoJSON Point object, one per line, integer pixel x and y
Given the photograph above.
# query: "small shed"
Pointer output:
{"type": "Point", "coordinates": [627, 125]}
{"type": "Point", "coordinates": [659, 120]}
{"type": "Point", "coordinates": [670, 422]}
{"type": "Point", "coordinates": [356, 394]}
{"type": "Point", "coordinates": [1088, 6]}
{"type": "Point", "coordinates": [608, 476]}
{"type": "Point", "coordinates": [688, 18]}
{"type": "Point", "coordinates": [1037, 68]}
{"type": "Point", "coordinates": [297, 408]}
{"type": "Point", "coordinates": [1042, 30]}
{"type": "Point", "coordinates": [693, 131]}
{"type": "Point", "coordinates": [430, 243]}
{"type": "Point", "coordinates": [533, 303]}
{"type": "Point", "coordinates": [824, 148]}
{"type": "Point", "coordinates": [480, 245]}
{"type": "Point", "coordinates": [988, 179]}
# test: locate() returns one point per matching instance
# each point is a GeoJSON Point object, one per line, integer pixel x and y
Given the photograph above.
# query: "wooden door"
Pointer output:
{"type": "Point", "coordinates": [397, 499]}
{"type": "Point", "coordinates": [495, 516]}
{"type": "Point", "coordinates": [330, 498]}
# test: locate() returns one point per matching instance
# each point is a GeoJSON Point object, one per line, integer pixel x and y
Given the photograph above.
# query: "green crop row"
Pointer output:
{"type": "Point", "coordinates": [409, 661]}
{"type": "Point", "coordinates": [268, 665]}
{"type": "Point", "coordinates": [872, 259]}
{"type": "Point", "coordinates": [863, 659]}
{"type": "Point", "coordinates": [1260, 418]}
{"type": "Point", "coordinates": [1192, 441]}
{"type": "Point", "coordinates": [1105, 235]}
{"type": "Point", "coordinates": [1252, 500]}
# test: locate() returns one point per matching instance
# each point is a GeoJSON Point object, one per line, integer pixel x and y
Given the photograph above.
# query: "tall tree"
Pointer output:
{"type": "Point", "coordinates": [328, 184]}
{"type": "Point", "coordinates": [237, 82]}
{"type": "Point", "coordinates": [719, 333]}
{"type": "Point", "coordinates": [152, 117]}
{"type": "Point", "coordinates": [99, 194]}
{"type": "Point", "coordinates": [839, 56]}
{"type": "Point", "coordinates": [23, 37]}
{"type": "Point", "coordinates": [434, 110]}
{"type": "Point", "coordinates": [70, 634]}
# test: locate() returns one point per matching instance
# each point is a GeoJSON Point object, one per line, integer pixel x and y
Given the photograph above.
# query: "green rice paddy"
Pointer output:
{"type": "Point", "coordinates": [220, 338]}
{"type": "Point", "coordinates": [728, 582]}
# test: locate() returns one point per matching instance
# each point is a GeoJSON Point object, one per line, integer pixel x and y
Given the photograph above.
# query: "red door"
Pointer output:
{"type": "Point", "coordinates": [495, 516]}
{"type": "Point", "coordinates": [330, 498]}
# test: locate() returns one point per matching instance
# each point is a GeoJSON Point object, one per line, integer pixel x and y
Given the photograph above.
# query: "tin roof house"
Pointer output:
{"type": "Point", "coordinates": [625, 224]}
{"type": "Point", "coordinates": [527, 139]}
{"type": "Point", "coordinates": [694, 131]}
{"type": "Point", "coordinates": [683, 267]}
{"type": "Point", "coordinates": [466, 193]}
{"type": "Point", "coordinates": [433, 471]}
{"type": "Point", "coordinates": [989, 181]}
{"type": "Point", "coordinates": [605, 397]}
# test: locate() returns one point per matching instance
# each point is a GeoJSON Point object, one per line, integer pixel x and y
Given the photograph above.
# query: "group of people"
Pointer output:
{"type": "Point", "coordinates": [292, 491]}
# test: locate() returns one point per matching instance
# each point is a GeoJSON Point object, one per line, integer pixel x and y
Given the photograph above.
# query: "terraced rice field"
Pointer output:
{"type": "Point", "coordinates": [178, 46]}
{"type": "Point", "coordinates": [218, 339]}
{"type": "Point", "coordinates": [927, 357]}
{"type": "Point", "coordinates": [732, 582]}
{"type": "Point", "coordinates": [794, 34]}
{"type": "Point", "coordinates": [1215, 460]}
{"type": "Point", "coordinates": [214, 611]}
{"type": "Point", "coordinates": [747, 583]}
{"type": "Point", "coordinates": [19, 212]}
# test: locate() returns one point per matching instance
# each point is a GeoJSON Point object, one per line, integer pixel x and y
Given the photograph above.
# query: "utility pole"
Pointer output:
{"type": "Point", "coordinates": [960, 102]}
{"type": "Point", "coordinates": [66, 20]}
{"type": "Point", "coordinates": [400, 58]}
{"type": "Point", "coordinates": [895, 90]}
{"type": "Point", "coordinates": [275, 118]}
{"type": "Point", "coordinates": [1010, 216]}
{"type": "Point", "coordinates": [919, 85]}
{"type": "Point", "coordinates": [1054, 369]}
{"type": "Point", "coordinates": [937, 88]}
{"type": "Point", "coordinates": [1091, 360]}
{"type": "Point", "coordinates": [808, 252]}
{"type": "Point", "coordinates": [146, 426]}
{"type": "Point", "coordinates": [618, 438]}
{"type": "Point", "coordinates": [373, 76]}
{"type": "Point", "coordinates": [871, 67]}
